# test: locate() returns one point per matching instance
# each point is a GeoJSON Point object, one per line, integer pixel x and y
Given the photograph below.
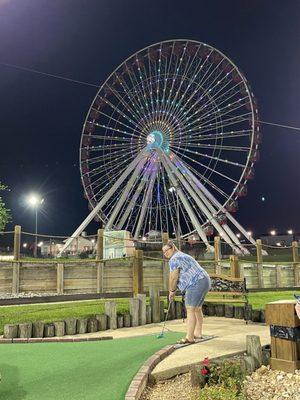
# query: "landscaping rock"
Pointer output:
{"type": "Point", "coordinates": [205, 309]}
{"type": "Point", "coordinates": [92, 325]}
{"type": "Point", "coordinates": [253, 348]}
{"type": "Point", "coordinates": [111, 312]}
{"type": "Point", "coordinates": [148, 314]}
{"type": "Point", "coordinates": [134, 311]}
{"type": "Point", "coordinates": [25, 330]}
{"type": "Point", "coordinates": [178, 309]}
{"type": "Point", "coordinates": [162, 310]}
{"type": "Point", "coordinates": [59, 328]}
{"type": "Point", "coordinates": [120, 321]}
{"type": "Point", "coordinates": [127, 320]}
{"type": "Point", "coordinates": [81, 325]}
{"type": "Point", "coordinates": [239, 312]}
{"type": "Point", "coordinates": [38, 329]}
{"type": "Point", "coordinates": [211, 310]}
{"type": "Point", "coordinates": [197, 379]}
{"type": "Point", "coordinates": [102, 322]}
{"type": "Point", "coordinates": [142, 308]}
{"type": "Point", "coordinates": [262, 316]}
{"type": "Point", "coordinates": [172, 311]}
{"type": "Point", "coordinates": [267, 384]}
{"type": "Point", "coordinates": [266, 355]}
{"type": "Point", "coordinates": [255, 316]}
{"type": "Point", "coordinates": [71, 326]}
{"type": "Point", "coordinates": [248, 312]}
{"type": "Point", "coordinates": [220, 310]}
{"type": "Point", "coordinates": [49, 330]}
{"type": "Point", "coordinates": [229, 311]}
{"type": "Point", "coordinates": [10, 331]}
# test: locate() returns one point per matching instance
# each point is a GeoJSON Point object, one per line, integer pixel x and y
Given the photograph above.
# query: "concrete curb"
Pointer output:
{"type": "Point", "coordinates": [53, 340]}
{"type": "Point", "coordinates": [139, 382]}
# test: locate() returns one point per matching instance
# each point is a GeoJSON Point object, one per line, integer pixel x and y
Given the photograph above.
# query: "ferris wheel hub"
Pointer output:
{"type": "Point", "coordinates": [157, 140]}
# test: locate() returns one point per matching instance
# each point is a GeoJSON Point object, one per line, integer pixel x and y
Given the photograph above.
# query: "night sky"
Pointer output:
{"type": "Point", "coordinates": [41, 118]}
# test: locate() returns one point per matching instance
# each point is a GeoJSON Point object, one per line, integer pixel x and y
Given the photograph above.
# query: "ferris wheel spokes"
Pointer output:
{"type": "Point", "coordinates": [224, 230]}
{"type": "Point", "coordinates": [203, 204]}
{"type": "Point", "coordinates": [146, 200]}
{"type": "Point", "coordinates": [186, 204]}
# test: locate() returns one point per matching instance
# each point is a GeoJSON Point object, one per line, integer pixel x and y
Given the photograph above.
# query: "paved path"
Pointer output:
{"type": "Point", "coordinates": [230, 338]}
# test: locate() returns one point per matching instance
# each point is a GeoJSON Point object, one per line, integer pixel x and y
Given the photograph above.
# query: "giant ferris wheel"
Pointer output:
{"type": "Point", "coordinates": [170, 140]}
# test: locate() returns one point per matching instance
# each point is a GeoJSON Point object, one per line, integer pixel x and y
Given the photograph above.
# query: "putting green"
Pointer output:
{"type": "Point", "coordinates": [75, 371]}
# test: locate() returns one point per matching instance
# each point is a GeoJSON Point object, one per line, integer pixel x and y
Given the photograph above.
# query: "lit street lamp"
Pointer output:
{"type": "Point", "coordinates": [35, 201]}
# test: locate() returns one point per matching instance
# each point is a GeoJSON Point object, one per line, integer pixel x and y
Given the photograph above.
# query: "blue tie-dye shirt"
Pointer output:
{"type": "Point", "coordinates": [189, 270]}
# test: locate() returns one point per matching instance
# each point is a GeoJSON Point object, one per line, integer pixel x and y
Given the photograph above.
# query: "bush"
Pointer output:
{"type": "Point", "coordinates": [229, 374]}
{"type": "Point", "coordinates": [83, 255]}
{"type": "Point", "coordinates": [219, 393]}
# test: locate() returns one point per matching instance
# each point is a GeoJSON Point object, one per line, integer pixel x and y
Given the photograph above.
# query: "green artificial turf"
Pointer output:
{"type": "Point", "coordinates": [75, 371]}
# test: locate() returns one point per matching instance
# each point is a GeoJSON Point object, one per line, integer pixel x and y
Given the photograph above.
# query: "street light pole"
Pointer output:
{"type": "Point", "coordinates": [36, 238]}
{"type": "Point", "coordinates": [35, 201]}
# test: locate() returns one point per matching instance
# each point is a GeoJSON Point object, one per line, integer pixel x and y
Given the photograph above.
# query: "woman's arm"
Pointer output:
{"type": "Point", "coordinates": [173, 279]}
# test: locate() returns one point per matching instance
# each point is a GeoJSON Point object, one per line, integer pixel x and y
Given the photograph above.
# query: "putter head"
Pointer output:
{"type": "Point", "coordinates": [160, 336]}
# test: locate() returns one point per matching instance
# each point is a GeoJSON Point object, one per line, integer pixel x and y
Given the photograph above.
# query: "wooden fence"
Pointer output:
{"type": "Point", "coordinates": [133, 274]}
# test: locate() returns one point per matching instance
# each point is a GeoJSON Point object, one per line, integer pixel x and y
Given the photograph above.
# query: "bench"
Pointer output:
{"type": "Point", "coordinates": [224, 287]}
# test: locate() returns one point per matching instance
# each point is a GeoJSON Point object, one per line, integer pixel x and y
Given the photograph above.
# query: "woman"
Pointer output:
{"type": "Point", "coordinates": [194, 281]}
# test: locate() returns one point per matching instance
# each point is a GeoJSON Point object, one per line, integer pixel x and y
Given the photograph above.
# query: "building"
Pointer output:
{"type": "Point", "coordinates": [118, 244]}
{"type": "Point", "coordinates": [279, 240]}
{"type": "Point", "coordinates": [80, 245]}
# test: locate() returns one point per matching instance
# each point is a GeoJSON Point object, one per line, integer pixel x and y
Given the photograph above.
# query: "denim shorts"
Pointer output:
{"type": "Point", "coordinates": [195, 295]}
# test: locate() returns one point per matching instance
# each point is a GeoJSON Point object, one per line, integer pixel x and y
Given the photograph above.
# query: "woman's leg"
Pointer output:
{"type": "Point", "coordinates": [191, 323]}
{"type": "Point", "coordinates": [199, 322]}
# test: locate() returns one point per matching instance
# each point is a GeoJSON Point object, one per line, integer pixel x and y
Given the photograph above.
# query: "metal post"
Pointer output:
{"type": "Point", "coordinates": [36, 224]}
{"type": "Point", "coordinates": [296, 264]}
{"type": "Point", "coordinates": [178, 222]}
{"type": "Point", "coordinates": [260, 274]}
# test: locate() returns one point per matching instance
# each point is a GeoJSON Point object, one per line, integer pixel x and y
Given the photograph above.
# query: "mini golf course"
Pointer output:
{"type": "Point", "coordinates": [78, 371]}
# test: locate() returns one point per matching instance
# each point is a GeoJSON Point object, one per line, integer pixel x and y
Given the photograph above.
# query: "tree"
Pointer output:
{"type": "Point", "coordinates": [4, 212]}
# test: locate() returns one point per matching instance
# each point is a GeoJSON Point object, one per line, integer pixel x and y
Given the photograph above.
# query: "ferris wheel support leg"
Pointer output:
{"type": "Point", "coordinates": [187, 205]}
{"type": "Point", "coordinates": [134, 198]}
{"type": "Point", "coordinates": [105, 198]}
{"type": "Point", "coordinates": [146, 202]}
{"type": "Point", "coordinates": [202, 203]}
{"type": "Point", "coordinates": [126, 190]}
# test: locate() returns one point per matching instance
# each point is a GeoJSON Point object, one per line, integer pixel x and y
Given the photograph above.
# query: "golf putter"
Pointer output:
{"type": "Point", "coordinates": [161, 335]}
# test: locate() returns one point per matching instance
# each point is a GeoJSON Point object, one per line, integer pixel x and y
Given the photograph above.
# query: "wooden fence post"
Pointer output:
{"type": "Point", "coordinates": [138, 281]}
{"type": "Point", "coordinates": [234, 267]}
{"type": "Point", "coordinates": [16, 264]}
{"type": "Point", "coordinates": [259, 264]}
{"type": "Point", "coordinates": [99, 260]}
{"type": "Point", "coordinates": [278, 276]}
{"type": "Point", "coordinates": [217, 246]}
{"type": "Point", "coordinates": [296, 265]}
{"type": "Point", "coordinates": [60, 278]}
{"type": "Point", "coordinates": [165, 265]}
